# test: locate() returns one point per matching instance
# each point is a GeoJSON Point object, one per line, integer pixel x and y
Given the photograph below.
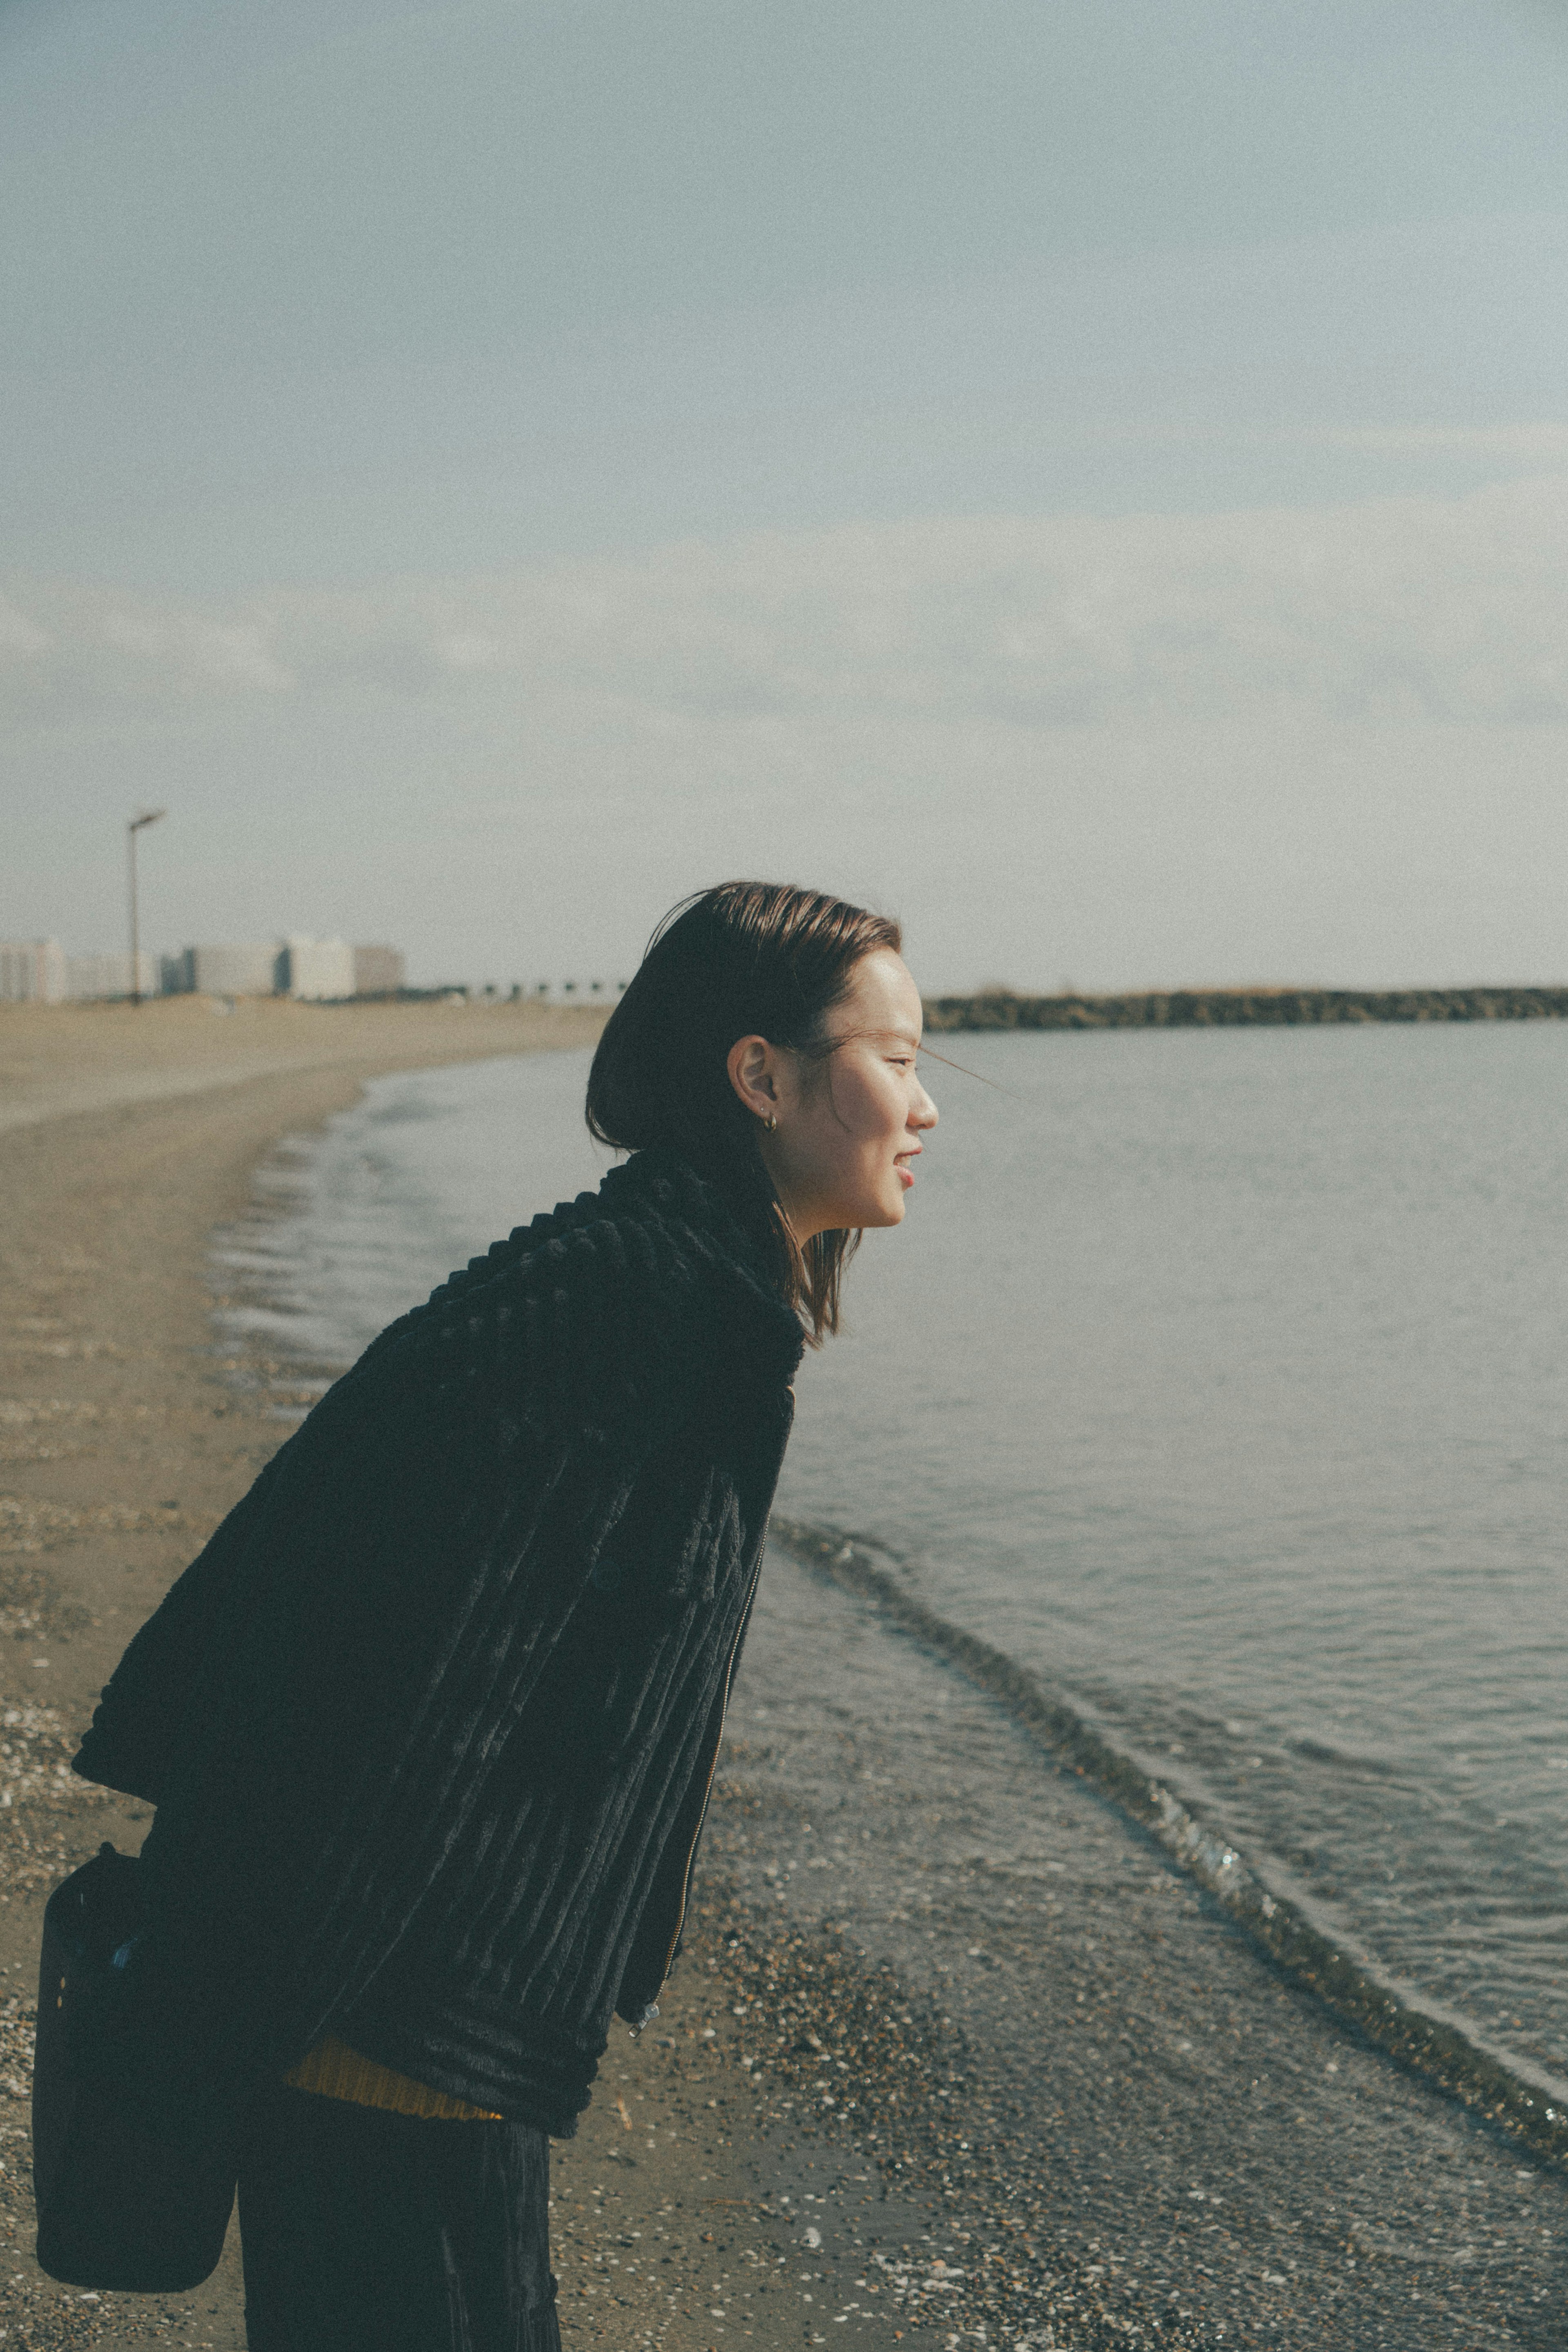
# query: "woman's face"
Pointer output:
{"type": "Point", "coordinates": [850, 1120]}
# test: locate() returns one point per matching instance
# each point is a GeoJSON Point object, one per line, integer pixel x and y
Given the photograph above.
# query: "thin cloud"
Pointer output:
{"type": "Point", "coordinates": [1393, 610]}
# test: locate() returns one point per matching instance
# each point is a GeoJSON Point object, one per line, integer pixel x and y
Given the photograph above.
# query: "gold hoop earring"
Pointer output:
{"type": "Point", "coordinates": [772, 1124]}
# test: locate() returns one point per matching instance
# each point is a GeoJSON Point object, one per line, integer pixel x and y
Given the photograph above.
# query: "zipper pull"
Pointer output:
{"type": "Point", "coordinates": [635, 2033]}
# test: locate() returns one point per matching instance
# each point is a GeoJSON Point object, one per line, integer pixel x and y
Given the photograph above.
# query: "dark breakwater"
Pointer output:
{"type": "Point", "coordinates": [1238, 1008]}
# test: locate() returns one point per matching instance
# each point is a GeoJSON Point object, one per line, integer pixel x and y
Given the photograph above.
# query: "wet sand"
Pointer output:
{"type": "Point", "coordinates": [1009, 2081]}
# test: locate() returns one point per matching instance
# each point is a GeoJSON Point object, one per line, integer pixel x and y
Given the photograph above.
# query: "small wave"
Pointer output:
{"type": "Point", "coordinates": [1345, 1759]}
{"type": "Point", "coordinates": [1532, 2109]}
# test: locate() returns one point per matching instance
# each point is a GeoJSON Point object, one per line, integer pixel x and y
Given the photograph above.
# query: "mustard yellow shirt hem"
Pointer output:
{"type": "Point", "coordinates": [335, 2072]}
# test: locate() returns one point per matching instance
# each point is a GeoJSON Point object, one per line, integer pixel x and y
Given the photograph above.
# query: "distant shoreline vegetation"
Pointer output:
{"type": "Point", "coordinates": [1242, 1008]}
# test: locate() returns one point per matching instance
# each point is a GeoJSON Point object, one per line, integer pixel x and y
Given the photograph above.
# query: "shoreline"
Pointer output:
{"type": "Point", "coordinates": [1440, 2048]}
{"type": "Point", "coordinates": [720, 2192]}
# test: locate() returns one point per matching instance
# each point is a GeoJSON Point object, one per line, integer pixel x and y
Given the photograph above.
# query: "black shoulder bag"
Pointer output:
{"type": "Point", "coordinates": [120, 2206]}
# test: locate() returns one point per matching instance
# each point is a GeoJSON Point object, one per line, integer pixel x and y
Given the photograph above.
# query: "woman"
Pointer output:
{"type": "Point", "coordinates": [431, 1723]}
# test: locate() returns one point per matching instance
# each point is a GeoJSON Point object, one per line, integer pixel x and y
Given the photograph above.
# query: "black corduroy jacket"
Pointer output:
{"type": "Point", "coordinates": [431, 1722]}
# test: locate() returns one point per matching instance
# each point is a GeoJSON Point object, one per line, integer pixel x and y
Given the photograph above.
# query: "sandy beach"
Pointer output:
{"type": "Point", "coordinates": [828, 2135]}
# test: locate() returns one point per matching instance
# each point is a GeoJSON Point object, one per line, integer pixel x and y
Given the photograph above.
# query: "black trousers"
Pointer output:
{"type": "Point", "coordinates": [369, 2232]}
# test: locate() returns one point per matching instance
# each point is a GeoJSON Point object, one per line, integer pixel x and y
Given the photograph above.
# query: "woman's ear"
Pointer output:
{"type": "Point", "coordinates": [752, 1065]}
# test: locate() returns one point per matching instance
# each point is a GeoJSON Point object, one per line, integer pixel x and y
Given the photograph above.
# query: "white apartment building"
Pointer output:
{"type": "Point", "coordinates": [32, 971]}
{"type": "Point", "coordinates": [319, 969]}
{"type": "Point", "coordinates": [251, 969]}
{"type": "Point", "coordinates": [378, 971]}
{"type": "Point", "coordinates": [109, 974]}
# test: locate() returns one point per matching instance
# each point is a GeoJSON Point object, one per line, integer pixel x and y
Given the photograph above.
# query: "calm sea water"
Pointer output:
{"type": "Point", "coordinates": [1221, 1378]}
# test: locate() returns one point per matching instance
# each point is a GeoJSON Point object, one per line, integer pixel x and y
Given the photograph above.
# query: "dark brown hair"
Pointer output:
{"type": "Point", "coordinates": [744, 959]}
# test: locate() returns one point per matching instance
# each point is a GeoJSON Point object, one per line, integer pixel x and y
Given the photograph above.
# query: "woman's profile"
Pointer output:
{"type": "Point", "coordinates": [431, 1723]}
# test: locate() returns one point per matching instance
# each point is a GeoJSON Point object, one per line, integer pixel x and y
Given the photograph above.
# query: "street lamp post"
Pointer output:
{"type": "Point", "coordinates": [148, 816]}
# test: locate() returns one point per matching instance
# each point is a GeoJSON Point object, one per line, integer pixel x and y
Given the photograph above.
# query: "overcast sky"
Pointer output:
{"type": "Point", "coordinates": [1092, 479]}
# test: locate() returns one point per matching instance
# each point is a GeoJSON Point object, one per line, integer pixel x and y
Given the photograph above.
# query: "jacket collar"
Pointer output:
{"type": "Point", "coordinates": [661, 1183]}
